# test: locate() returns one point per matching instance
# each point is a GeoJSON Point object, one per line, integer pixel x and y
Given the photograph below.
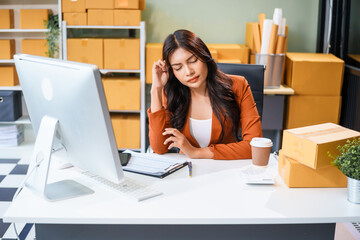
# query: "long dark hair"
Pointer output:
{"type": "Point", "coordinates": [218, 84]}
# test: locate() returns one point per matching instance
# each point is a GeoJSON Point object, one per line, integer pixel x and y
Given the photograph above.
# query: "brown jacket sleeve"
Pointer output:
{"type": "Point", "coordinates": [158, 121]}
{"type": "Point", "coordinates": [250, 124]}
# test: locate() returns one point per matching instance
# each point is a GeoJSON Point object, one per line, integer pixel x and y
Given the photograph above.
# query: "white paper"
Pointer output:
{"type": "Point", "coordinates": [266, 36]}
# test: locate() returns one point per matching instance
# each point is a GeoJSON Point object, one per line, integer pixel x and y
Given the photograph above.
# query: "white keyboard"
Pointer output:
{"type": "Point", "coordinates": [258, 175]}
{"type": "Point", "coordinates": [128, 187]}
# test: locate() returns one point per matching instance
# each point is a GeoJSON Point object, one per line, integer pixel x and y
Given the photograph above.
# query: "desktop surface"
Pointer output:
{"type": "Point", "coordinates": [216, 194]}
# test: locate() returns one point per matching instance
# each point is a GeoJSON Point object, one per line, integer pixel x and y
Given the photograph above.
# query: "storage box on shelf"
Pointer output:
{"type": "Point", "coordinates": [125, 94]}
{"type": "Point", "coordinates": [19, 21]}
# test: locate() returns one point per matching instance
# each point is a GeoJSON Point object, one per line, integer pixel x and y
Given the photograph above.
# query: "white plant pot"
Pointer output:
{"type": "Point", "coordinates": [353, 190]}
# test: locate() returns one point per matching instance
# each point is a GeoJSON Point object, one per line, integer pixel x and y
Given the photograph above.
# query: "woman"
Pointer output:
{"type": "Point", "coordinates": [196, 107]}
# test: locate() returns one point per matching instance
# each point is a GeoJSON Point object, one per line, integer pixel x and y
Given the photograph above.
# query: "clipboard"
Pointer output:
{"type": "Point", "coordinates": [152, 164]}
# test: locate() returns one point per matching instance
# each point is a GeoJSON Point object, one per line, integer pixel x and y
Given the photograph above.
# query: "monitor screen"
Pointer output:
{"type": "Point", "coordinates": [73, 94]}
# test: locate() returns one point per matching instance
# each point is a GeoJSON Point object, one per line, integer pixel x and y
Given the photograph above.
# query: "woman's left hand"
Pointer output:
{"type": "Point", "coordinates": [177, 139]}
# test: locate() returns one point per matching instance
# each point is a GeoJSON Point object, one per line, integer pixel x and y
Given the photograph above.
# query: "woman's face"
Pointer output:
{"type": "Point", "coordinates": [188, 69]}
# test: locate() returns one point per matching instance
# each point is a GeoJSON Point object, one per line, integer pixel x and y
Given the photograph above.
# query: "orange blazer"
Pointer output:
{"type": "Point", "coordinates": [228, 149]}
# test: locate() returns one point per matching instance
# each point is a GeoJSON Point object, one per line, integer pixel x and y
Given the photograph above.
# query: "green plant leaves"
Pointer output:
{"type": "Point", "coordinates": [52, 36]}
{"type": "Point", "coordinates": [349, 159]}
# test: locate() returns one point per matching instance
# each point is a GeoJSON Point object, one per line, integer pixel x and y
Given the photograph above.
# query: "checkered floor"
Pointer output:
{"type": "Point", "coordinates": [12, 173]}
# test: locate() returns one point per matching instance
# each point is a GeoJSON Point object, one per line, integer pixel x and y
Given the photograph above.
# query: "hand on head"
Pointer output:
{"type": "Point", "coordinates": [160, 74]}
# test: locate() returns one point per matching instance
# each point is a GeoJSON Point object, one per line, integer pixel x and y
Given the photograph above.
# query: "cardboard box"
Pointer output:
{"type": "Point", "coordinates": [127, 17]}
{"type": "Point", "coordinates": [126, 130]}
{"type": "Point", "coordinates": [86, 51]}
{"type": "Point", "coordinates": [298, 175]}
{"type": "Point", "coordinates": [129, 4]}
{"type": "Point", "coordinates": [314, 73]}
{"type": "Point", "coordinates": [7, 48]}
{"type": "Point", "coordinates": [122, 53]}
{"type": "Point", "coordinates": [36, 47]}
{"type": "Point", "coordinates": [227, 52]}
{"type": "Point", "coordinates": [100, 17]}
{"type": "Point", "coordinates": [122, 93]}
{"type": "Point", "coordinates": [10, 106]}
{"type": "Point", "coordinates": [310, 145]}
{"type": "Point", "coordinates": [252, 59]}
{"type": "Point", "coordinates": [73, 6]}
{"type": "Point", "coordinates": [142, 4]}
{"type": "Point", "coordinates": [97, 4]}
{"type": "Point", "coordinates": [309, 110]}
{"type": "Point", "coordinates": [237, 61]}
{"type": "Point", "coordinates": [75, 18]}
{"type": "Point", "coordinates": [6, 18]}
{"type": "Point", "coordinates": [33, 18]}
{"type": "Point", "coordinates": [9, 76]}
{"type": "Point", "coordinates": [214, 55]}
{"type": "Point", "coordinates": [153, 53]}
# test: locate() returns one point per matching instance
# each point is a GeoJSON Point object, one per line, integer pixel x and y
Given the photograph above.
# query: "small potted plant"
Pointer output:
{"type": "Point", "coordinates": [348, 162]}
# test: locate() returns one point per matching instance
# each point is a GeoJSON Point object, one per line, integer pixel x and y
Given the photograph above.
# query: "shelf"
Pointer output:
{"type": "Point", "coordinates": [23, 30]}
{"type": "Point", "coordinates": [124, 111]}
{"type": "Point", "coordinates": [11, 88]}
{"type": "Point", "coordinates": [282, 90]}
{"type": "Point", "coordinates": [7, 61]}
{"type": "Point", "coordinates": [105, 71]}
{"type": "Point", "coordinates": [22, 120]}
{"type": "Point", "coordinates": [131, 149]}
{"type": "Point", "coordinates": [101, 27]}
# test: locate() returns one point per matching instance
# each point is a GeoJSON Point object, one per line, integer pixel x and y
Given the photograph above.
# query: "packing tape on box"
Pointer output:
{"type": "Point", "coordinates": [323, 132]}
{"type": "Point", "coordinates": [122, 3]}
{"type": "Point", "coordinates": [84, 42]}
{"type": "Point", "coordinates": [122, 42]}
{"type": "Point", "coordinates": [122, 65]}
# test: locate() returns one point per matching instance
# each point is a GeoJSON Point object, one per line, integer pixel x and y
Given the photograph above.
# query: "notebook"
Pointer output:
{"type": "Point", "coordinates": [153, 164]}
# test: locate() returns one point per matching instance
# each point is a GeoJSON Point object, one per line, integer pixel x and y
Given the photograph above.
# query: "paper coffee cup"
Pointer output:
{"type": "Point", "coordinates": [260, 150]}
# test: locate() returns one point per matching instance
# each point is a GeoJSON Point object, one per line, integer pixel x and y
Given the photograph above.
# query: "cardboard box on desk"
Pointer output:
{"type": "Point", "coordinates": [8, 76]}
{"type": "Point", "coordinates": [127, 17]}
{"type": "Point", "coordinates": [126, 130]}
{"type": "Point", "coordinates": [100, 4]}
{"type": "Point", "coordinates": [298, 175]}
{"type": "Point", "coordinates": [122, 53]}
{"type": "Point", "coordinates": [36, 47]}
{"type": "Point", "coordinates": [153, 53]}
{"type": "Point", "coordinates": [7, 48]}
{"type": "Point", "coordinates": [309, 110]}
{"type": "Point", "coordinates": [314, 73]}
{"type": "Point", "coordinates": [33, 18]}
{"type": "Point", "coordinates": [75, 18]}
{"type": "Point", "coordinates": [122, 93]}
{"type": "Point", "coordinates": [100, 17]}
{"type": "Point", "coordinates": [227, 52]}
{"type": "Point", "coordinates": [6, 18]}
{"type": "Point", "coordinates": [73, 6]}
{"type": "Point", "coordinates": [310, 145]}
{"type": "Point", "coordinates": [86, 51]}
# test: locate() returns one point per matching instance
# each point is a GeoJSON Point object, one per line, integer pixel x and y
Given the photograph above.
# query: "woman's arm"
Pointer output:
{"type": "Point", "coordinates": [250, 124]}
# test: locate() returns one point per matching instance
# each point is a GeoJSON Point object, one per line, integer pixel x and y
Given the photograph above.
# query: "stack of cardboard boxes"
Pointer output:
{"type": "Point", "coordinates": [222, 53]}
{"type": "Point", "coordinates": [304, 160]}
{"type": "Point", "coordinates": [29, 19]}
{"type": "Point", "coordinates": [102, 12]}
{"type": "Point", "coordinates": [122, 92]}
{"type": "Point", "coordinates": [317, 80]}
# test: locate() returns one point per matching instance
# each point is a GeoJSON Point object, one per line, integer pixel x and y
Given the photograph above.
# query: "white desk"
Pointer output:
{"type": "Point", "coordinates": [213, 204]}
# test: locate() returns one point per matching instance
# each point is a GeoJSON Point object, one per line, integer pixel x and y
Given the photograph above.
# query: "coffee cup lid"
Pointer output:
{"type": "Point", "coordinates": [261, 142]}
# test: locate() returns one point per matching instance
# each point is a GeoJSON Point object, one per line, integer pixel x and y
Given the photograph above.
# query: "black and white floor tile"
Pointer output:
{"type": "Point", "coordinates": [12, 174]}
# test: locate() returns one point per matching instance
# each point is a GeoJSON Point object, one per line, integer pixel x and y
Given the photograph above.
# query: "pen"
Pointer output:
{"type": "Point", "coordinates": [190, 169]}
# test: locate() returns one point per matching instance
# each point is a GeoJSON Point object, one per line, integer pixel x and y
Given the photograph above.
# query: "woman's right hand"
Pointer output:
{"type": "Point", "coordinates": [160, 74]}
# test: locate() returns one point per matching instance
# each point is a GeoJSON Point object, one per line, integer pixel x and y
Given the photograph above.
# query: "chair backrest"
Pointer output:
{"type": "Point", "coordinates": [254, 74]}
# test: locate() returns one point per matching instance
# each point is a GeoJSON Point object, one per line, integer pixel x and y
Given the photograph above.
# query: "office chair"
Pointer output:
{"type": "Point", "coordinates": [254, 74]}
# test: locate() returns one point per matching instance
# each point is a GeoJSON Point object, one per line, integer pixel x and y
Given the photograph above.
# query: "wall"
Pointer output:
{"type": "Point", "coordinates": [224, 21]}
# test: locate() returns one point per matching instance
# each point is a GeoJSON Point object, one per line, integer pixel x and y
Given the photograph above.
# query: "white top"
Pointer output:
{"type": "Point", "coordinates": [201, 131]}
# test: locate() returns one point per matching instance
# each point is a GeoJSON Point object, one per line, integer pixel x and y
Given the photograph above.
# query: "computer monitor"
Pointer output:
{"type": "Point", "coordinates": [67, 107]}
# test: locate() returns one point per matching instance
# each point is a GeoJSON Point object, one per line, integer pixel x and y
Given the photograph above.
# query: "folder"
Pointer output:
{"type": "Point", "coordinates": [152, 164]}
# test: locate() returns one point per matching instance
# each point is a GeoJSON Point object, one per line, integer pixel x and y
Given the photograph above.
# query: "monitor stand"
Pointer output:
{"type": "Point", "coordinates": [40, 165]}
